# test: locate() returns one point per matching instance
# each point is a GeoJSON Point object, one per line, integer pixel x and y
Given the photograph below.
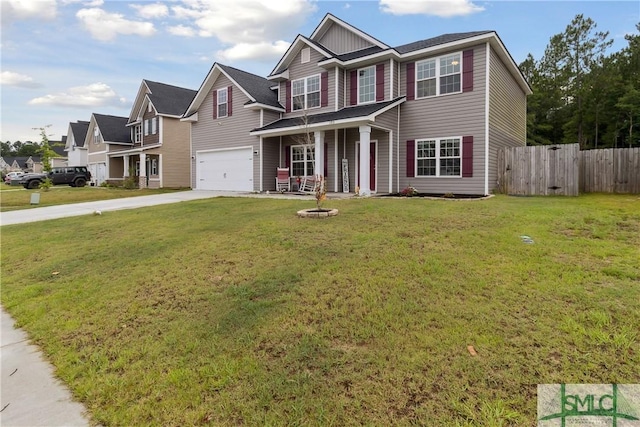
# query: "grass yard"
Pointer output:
{"type": "Point", "coordinates": [235, 312]}
{"type": "Point", "coordinates": [15, 197]}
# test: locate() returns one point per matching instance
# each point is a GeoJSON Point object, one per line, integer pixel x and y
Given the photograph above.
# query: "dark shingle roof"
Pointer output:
{"type": "Point", "coordinates": [360, 53]}
{"type": "Point", "coordinates": [170, 100]}
{"type": "Point", "coordinates": [79, 131]}
{"type": "Point", "coordinates": [345, 113]}
{"type": "Point", "coordinates": [113, 128]}
{"type": "Point", "coordinates": [434, 41]}
{"type": "Point", "coordinates": [21, 161]}
{"type": "Point", "coordinates": [258, 87]}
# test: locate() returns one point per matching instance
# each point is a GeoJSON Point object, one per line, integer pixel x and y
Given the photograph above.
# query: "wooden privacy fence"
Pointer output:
{"type": "Point", "coordinates": [539, 170]}
{"type": "Point", "coordinates": [565, 170]}
{"type": "Point", "coordinates": [612, 170]}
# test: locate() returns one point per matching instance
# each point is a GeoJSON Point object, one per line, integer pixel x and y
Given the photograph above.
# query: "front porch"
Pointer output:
{"type": "Point", "coordinates": [135, 168]}
{"type": "Point", "coordinates": [355, 149]}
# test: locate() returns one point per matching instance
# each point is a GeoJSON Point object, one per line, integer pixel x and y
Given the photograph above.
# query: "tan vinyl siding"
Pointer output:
{"type": "Point", "coordinates": [389, 120]}
{"type": "Point", "coordinates": [308, 69]}
{"type": "Point", "coordinates": [507, 114]}
{"type": "Point", "coordinates": [226, 132]}
{"type": "Point", "coordinates": [340, 40]}
{"type": "Point", "coordinates": [454, 115]}
{"type": "Point", "coordinates": [116, 168]}
{"type": "Point", "coordinates": [175, 161]}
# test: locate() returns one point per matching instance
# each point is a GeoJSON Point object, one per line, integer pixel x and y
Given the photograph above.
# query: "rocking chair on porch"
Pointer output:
{"type": "Point", "coordinates": [282, 180]}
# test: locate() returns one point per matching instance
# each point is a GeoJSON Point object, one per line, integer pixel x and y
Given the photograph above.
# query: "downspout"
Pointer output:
{"type": "Point", "coordinates": [335, 150]}
{"type": "Point", "coordinates": [260, 152]}
{"type": "Point", "coordinates": [486, 121]}
{"type": "Point", "coordinates": [337, 93]}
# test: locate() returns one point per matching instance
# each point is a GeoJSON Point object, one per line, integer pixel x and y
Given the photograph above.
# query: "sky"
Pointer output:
{"type": "Point", "coordinates": [62, 60]}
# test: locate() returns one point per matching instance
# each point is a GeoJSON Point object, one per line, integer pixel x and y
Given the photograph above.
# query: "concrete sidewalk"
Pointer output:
{"type": "Point", "coordinates": [88, 208]}
{"type": "Point", "coordinates": [31, 395]}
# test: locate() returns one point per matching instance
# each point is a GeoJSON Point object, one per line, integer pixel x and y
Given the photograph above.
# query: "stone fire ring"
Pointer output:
{"type": "Point", "coordinates": [314, 213]}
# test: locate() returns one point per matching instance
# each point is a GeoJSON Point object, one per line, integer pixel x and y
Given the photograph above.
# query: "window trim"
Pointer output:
{"type": "Point", "coordinates": [438, 76]}
{"type": "Point", "coordinates": [305, 55]}
{"type": "Point", "coordinates": [154, 125]}
{"type": "Point", "coordinates": [96, 135]}
{"type": "Point", "coordinates": [306, 161]}
{"type": "Point", "coordinates": [306, 93]}
{"type": "Point", "coordinates": [373, 68]}
{"type": "Point", "coordinates": [224, 90]}
{"type": "Point", "coordinates": [438, 141]}
{"type": "Point", "coordinates": [137, 133]}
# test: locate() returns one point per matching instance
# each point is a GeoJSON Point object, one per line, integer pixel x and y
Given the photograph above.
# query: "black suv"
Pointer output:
{"type": "Point", "coordinates": [74, 176]}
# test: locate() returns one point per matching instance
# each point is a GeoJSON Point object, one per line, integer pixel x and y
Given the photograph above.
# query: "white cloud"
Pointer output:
{"type": "Point", "coordinates": [256, 51]}
{"type": "Point", "coordinates": [181, 30]}
{"type": "Point", "coordinates": [86, 3]}
{"type": "Point", "coordinates": [347, 6]}
{"type": "Point", "coordinates": [93, 95]}
{"type": "Point", "coordinates": [14, 10]}
{"type": "Point", "coordinates": [249, 29]}
{"type": "Point", "coordinates": [245, 21]}
{"type": "Point", "coordinates": [151, 11]}
{"type": "Point", "coordinates": [106, 26]}
{"type": "Point", "coordinates": [9, 78]}
{"type": "Point", "coordinates": [441, 8]}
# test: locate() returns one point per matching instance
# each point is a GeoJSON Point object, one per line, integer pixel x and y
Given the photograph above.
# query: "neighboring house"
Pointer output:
{"type": "Point", "coordinates": [74, 147]}
{"type": "Point", "coordinates": [21, 164]}
{"type": "Point", "coordinates": [430, 114]}
{"type": "Point", "coordinates": [160, 153]}
{"type": "Point", "coordinates": [58, 147]}
{"type": "Point", "coordinates": [104, 135]}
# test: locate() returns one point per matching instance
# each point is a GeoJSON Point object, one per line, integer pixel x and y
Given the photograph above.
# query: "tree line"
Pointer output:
{"type": "Point", "coordinates": [20, 149]}
{"type": "Point", "coordinates": [581, 94]}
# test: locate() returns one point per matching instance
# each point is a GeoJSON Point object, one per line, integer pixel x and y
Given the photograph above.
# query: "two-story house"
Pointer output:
{"type": "Point", "coordinates": [105, 134]}
{"type": "Point", "coordinates": [74, 146]}
{"type": "Point", "coordinates": [430, 114]}
{"type": "Point", "coordinates": [160, 149]}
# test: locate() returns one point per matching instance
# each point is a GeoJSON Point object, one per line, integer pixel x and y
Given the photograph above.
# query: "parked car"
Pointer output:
{"type": "Point", "coordinates": [74, 176]}
{"type": "Point", "coordinates": [11, 176]}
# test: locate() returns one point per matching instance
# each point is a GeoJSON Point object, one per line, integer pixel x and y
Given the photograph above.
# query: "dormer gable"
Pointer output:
{"type": "Point", "coordinates": [257, 89]}
{"type": "Point", "coordinates": [299, 44]}
{"type": "Point", "coordinates": [341, 37]}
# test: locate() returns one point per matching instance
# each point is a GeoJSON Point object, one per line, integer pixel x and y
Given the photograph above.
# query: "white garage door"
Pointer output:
{"type": "Point", "coordinates": [226, 170]}
{"type": "Point", "coordinates": [98, 173]}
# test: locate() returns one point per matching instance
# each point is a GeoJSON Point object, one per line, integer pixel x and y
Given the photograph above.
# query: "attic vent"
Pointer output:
{"type": "Point", "coordinates": [305, 55]}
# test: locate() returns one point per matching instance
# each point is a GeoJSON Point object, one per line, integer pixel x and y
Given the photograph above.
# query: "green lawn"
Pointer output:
{"type": "Point", "coordinates": [234, 311]}
{"type": "Point", "coordinates": [16, 197]}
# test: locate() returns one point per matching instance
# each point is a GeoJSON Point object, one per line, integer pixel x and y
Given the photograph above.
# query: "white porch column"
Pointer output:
{"type": "Point", "coordinates": [126, 166]}
{"type": "Point", "coordinates": [319, 146]}
{"type": "Point", "coordinates": [142, 179]}
{"type": "Point", "coordinates": [364, 171]}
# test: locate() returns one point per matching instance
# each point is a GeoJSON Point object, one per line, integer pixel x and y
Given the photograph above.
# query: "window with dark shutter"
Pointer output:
{"type": "Point", "coordinates": [353, 90]}
{"type": "Point", "coordinates": [467, 70]}
{"type": "Point", "coordinates": [411, 81]}
{"type": "Point", "coordinates": [411, 158]}
{"type": "Point", "coordinates": [379, 82]}
{"type": "Point", "coordinates": [287, 101]}
{"type": "Point", "coordinates": [229, 98]}
{"type": "Point", "coordinates": [467, 156]}
{"type": "Point", "coordinates": [324, 89]}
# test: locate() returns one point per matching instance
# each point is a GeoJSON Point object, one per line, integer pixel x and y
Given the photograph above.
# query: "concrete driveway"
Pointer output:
{"type": "Point", "coordinates": [87, 208]}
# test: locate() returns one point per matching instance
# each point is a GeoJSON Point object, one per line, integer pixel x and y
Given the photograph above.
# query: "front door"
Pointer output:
{"type": "Point", "coordinates": [372, 164]}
